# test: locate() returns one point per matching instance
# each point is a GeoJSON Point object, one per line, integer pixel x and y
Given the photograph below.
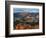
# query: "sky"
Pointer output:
{"type": "Point", "coordinates": [31, 10]}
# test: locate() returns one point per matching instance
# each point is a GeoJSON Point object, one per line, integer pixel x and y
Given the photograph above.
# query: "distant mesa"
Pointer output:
{"type": "Point", "coordinates": [25, 14]}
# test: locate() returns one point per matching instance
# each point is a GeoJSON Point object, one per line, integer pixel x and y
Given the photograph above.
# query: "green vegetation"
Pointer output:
{"type": "Point", "coordinates": [23, 21]}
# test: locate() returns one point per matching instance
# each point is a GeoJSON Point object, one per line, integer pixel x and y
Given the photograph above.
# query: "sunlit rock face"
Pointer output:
{"type": "Point", "coordinates": [24, 26]}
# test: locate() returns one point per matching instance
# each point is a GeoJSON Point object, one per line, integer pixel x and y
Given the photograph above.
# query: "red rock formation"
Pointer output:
{"type": "Point", "coordinates": [19, 26]}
